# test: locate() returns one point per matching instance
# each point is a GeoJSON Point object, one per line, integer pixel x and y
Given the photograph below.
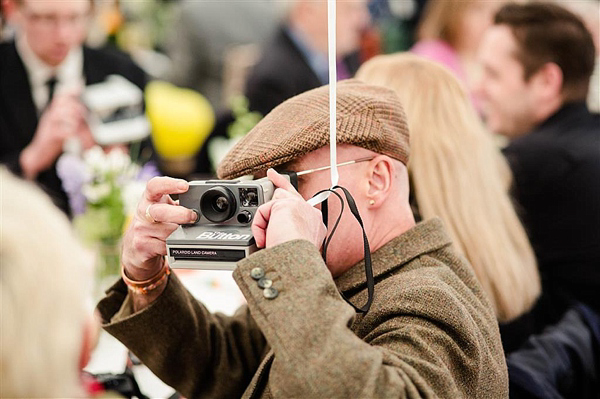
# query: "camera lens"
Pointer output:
{"type": "Point", "coordinates": [218, 204]}
{"type": "Point", "coordinates": [221, 204]}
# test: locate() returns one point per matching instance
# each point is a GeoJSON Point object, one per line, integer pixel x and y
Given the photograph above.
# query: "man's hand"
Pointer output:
{"type": "Point", "coordinates": [144, 243]}
{"type": "Point", "coordinates": [64, 118]}
{"type": "Point", "coordinates": [286, 217]}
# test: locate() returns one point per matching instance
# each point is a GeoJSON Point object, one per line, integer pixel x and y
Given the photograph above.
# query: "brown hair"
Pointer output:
{"type": "Point", "coordinates": [545, 33]}
{"type": "Point", "coordinates": [441, 20]}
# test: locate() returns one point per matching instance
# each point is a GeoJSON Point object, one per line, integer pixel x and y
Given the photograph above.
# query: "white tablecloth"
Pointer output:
{"type": "Point", "coordinates": [218, 292]}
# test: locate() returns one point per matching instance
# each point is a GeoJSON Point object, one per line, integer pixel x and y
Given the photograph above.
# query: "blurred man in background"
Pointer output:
{"type": "Point", "coordinates": [42, 73]}
{"type": "Point", "coordinates": [538, 59]}
{"type": "Point", "coordinates": [296, 59]}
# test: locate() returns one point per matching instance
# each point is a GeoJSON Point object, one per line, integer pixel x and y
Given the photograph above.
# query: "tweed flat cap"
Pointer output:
{"type": "Point", "coordinates": [367, 116]}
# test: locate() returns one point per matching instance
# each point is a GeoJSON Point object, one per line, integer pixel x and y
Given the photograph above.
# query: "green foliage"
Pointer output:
{"type": "Point", "coordinates": [244, 121]}
{"type": "Point", "coordinates": [102, 221]}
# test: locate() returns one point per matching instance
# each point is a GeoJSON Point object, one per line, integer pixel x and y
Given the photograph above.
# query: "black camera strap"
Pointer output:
{"type": "Point", "coordinates": [368, 266]}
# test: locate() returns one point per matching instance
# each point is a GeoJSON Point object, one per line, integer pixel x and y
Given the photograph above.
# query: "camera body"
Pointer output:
{"type": "Point", "coordinates": [222, 235]}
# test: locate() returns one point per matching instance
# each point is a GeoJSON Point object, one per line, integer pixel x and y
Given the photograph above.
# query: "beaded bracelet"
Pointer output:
{"type": "Point", "coordinates": [144, 287]}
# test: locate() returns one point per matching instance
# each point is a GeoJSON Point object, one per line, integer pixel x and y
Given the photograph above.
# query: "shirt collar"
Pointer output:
{"type": "Point", "coordinates": [425, 237]}
{"type": "Point", "coordinates": [69, 72]}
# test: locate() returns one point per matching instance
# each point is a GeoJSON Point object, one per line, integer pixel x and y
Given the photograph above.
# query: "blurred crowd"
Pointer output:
{"type": "Point", "coordinates": [502, 101]}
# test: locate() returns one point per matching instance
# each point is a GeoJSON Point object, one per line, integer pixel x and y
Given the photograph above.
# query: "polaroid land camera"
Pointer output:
{"type": "Point", "coordinates": [222, 234]}
{"type": "Point", "coordinates": [116, 111]}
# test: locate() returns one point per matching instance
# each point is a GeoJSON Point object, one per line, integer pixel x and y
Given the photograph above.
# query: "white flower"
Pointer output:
{"type": "Point", "coordinates": [131, 194]}
{"type": "Point", "coordinates": [117, 161]}
{"type": "Point", "coordinates": [95, 159]}
{"type": "Point", "coordinates": [96, 192]}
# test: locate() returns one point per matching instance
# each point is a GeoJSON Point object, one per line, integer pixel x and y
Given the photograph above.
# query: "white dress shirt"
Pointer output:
{"type": "Point", "coordinates": [69, 74]}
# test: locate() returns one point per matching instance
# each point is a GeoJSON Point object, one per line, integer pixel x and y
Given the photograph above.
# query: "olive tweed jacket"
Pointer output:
{"type": "Point", "coordinates": [429, 333]}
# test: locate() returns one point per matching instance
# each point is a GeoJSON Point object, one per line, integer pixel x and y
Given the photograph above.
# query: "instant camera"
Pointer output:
{"type": "Point", "coordinates": [116, 111]}
{"type": "Point", "coordinates": [222, 234]}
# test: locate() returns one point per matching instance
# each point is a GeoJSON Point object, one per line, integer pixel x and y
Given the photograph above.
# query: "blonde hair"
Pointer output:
{"type": "Point", "coordinates": [44, 285]}
{"type": "Point", "coordinates": [459, 175]}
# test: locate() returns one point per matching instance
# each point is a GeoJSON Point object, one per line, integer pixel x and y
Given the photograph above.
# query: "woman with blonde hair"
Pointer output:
{"type": "Point", "coordinates": [458, 174]}
{"type": "Point", "coordinates": [48, 328]}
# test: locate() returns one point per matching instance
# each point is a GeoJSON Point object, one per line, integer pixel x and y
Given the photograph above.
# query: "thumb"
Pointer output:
{"type": "Point", "coordinates": [280, 181]}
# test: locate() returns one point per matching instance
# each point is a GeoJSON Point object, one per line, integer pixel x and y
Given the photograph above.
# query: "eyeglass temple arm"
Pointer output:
{"type": "Point", "coordinates": [305, 172]}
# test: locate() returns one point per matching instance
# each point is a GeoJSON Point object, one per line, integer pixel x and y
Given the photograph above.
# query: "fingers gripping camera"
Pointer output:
{"type": "Point", "coordinates": [222, 235]}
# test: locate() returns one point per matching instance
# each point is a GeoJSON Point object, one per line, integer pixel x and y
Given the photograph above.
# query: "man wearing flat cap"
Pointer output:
{"type": "Point", "coordinates": [429, 331]}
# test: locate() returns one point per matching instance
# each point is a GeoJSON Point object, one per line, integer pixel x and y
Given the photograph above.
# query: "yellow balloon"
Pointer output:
{"type": "Point", "coordinates": [181, 119]}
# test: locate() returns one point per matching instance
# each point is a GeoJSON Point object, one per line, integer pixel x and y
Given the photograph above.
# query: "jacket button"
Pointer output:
{"type": "Point", "coordinates": [265, 282]}
{"type": "Point", "coordinates": [270, 293]}
{"type": "Point", "coordinates": [257, 273]}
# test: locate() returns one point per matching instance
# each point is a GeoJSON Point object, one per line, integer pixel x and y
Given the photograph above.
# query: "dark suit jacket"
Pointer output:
{"type": "Point", "coordinates": [18, 114]}
{"type": "Point", "coordinates": [282, 72]}
{"type": "Point", "coordinates": [557, 183]}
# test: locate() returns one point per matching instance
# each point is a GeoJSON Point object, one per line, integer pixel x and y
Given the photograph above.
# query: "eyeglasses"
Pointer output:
{"type": "Point", "coordinates": [308, 171]}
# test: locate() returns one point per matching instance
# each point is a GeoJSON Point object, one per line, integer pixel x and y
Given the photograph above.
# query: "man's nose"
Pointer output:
{"type": "Point", "coordinates": [63, 31]}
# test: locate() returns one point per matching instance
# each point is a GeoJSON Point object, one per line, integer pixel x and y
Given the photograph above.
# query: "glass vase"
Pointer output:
{"type": "Point", "coordinates": [108, 265]}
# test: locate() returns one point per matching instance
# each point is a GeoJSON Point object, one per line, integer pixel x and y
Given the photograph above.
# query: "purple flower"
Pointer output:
{"type": "Point", "coordinates": [148, 171]}
{"type": "Point", "coordinates": [73, 174]}
{"type": "Point", "coordinates": [78, 203]}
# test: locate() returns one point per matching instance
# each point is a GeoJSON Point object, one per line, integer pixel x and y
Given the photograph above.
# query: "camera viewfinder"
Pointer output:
{"type": "Point", "coordinates": [249, 197]}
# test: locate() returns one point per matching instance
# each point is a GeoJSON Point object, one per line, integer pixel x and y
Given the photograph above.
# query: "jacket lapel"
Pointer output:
{"type": "Point", "coordinates": [258, 385]}
{"type": "Point", "coordinates": [91, 71]}
{"type": "Point", "coordinates": [300, 62]}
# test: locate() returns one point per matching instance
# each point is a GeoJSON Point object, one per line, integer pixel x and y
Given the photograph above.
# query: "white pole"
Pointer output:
{"type": "Point", "coordinates": [331, 24]}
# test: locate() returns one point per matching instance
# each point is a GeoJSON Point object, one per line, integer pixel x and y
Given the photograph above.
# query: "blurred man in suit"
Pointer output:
{"type": "Point", "coordinates": [538, 59]}
{"type": "Point", "coordinates": [41, 76]}
{"type": "Point", "coordinates": [296, 59]}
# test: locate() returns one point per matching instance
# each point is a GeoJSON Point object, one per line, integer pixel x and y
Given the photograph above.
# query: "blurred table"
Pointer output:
{"type": "Point", "coordinates": [215, 289]}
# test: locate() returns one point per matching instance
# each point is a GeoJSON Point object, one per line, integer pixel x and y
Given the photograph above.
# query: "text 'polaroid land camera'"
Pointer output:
{"type": "Point", "coordinates": [222, 234]}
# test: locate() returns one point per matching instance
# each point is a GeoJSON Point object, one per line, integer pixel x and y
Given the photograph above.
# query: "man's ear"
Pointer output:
{"type": "Point", "coordinates": [381, 173]}
{"type": "Point", "coordinates": [548, 82]}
